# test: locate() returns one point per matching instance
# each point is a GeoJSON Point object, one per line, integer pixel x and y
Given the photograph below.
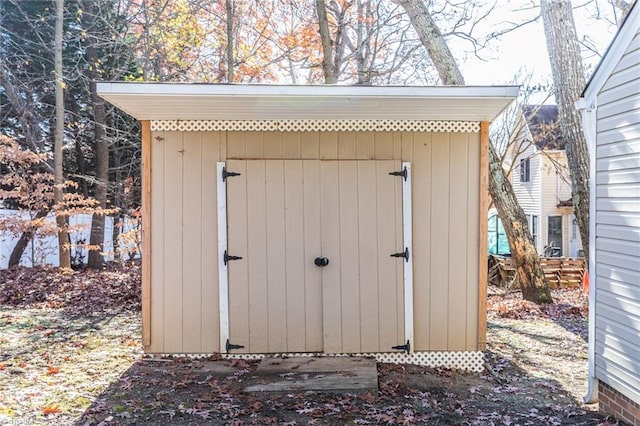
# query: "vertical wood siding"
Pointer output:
{"type": "Point", "coordinates": [617, 219]}
{"type": "Point", "coordinates": [184, 295]}
{"type": "Point", "coordinates": [300, 210]}
{"type": "Point", "coordinates": [146, 234]}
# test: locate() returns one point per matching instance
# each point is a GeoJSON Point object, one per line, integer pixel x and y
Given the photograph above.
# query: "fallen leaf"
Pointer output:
{"type": "Point", "coordinates": [239, 363]}
{"type": "Point", "coordinates": [51, 409]}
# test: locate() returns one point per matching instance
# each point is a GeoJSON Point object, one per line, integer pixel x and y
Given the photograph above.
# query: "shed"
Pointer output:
{"type": "Point", "coordinates": [314, 219]}
{"type": "Point", "coordinates": [611, 121]}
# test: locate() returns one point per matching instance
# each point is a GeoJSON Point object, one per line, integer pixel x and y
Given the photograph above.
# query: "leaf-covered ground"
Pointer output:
{"type": "Point", "coordinates": [70, 354]}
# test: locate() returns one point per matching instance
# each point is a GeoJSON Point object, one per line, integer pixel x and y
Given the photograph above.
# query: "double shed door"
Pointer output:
{"type": "Point", "coordinates": [282, 215]}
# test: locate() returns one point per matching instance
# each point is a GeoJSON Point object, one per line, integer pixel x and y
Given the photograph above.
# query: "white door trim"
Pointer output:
{"type": "Point", "coordinates": [223, 270]}
{"type": "Point", "coordinates": [407, 231]}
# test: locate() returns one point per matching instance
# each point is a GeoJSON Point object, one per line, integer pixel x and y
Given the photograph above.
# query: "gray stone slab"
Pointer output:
{"type": "Point", "coordinates": [335, 374]}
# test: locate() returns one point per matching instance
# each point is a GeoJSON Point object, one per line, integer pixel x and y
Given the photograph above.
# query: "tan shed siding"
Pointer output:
{"type": "Point", "coordinates": [446, 229]}
{"type": "Point", "coordinates": [459, 237]}
{"type": "Point", "coordinates": [477, 205]}
{"type": "Point", "coordinates": [314, 145]}
{"type": "Point", "coordinates": [184, 297]}
{"type": "Point", "coordinates": [146, 234]}
{"type": "Point", "coordinates": [157, 241]}
{"type": "Point", "coordinates": [237, 210]}
{"type": "Point", "coordinates": [439, 240]}
{"type": "Point", "coordinates": [191, 240]}
{"type": "Point", "coordinates": [438, 181]}
{"type": "Point", "coordinates": [617, 220]}
{"type": "Point", "coordinates": [173, 242]}
{"type": "Point", "coordinates": [361, 219]}
{"type": "Point", "coordinates": [212, 152]}
{"type": "Point", "coordinates": [184, 303]}
{"type": "Point", "coordinates": [312, 246]}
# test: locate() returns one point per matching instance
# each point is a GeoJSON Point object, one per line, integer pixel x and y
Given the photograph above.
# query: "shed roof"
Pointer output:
{"type": "Point", "coordinates": [200, 101]}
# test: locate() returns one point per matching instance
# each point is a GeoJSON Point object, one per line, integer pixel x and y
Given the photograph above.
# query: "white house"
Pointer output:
{"type": "Point", "coordinates": [611, 119]}
{"type": "Point", "coordinates": [542, 183]}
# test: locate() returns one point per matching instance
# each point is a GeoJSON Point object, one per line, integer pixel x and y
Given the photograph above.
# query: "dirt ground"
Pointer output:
{"type": "Point", "coordinates": [70, 355]}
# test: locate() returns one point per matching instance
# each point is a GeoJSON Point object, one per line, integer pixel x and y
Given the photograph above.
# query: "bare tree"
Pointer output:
{"type": "Point", "coordinates": [96, 240]}
{"type": "Point", "coordinates": [528, 270]}
{"type": "Point", "coordinates": [228, 4]}
{"type": "Point", "coordinates": [63, 235]}
{"type": "Point", "coordinates": [325, 36]}
{"type": "Point", "coordinates": [568, 81]}
{"type": "Point", "coordinates": [433, 41]}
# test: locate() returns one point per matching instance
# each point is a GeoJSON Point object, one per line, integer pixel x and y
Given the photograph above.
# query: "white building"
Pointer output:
{"type": "Point", "coordinates": [611, 120]}
{"type": "Point", "coordinates": [541, 181]}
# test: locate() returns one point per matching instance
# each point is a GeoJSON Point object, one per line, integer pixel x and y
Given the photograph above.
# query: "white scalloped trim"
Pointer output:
{"type": "Point", "coordinates": [462, 360]}
{"type": "Point", "coordinates": [315, 126]}
{"type": "Point", "coordinates": [472, 361]}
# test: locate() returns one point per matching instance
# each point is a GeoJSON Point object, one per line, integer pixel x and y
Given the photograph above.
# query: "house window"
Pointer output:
{"type": "Point", "coordinates": [525, 170]}
{"type": "Point", "coordinates": [554, 237]}
{"type": "Point", "coordinates": [532, 220]}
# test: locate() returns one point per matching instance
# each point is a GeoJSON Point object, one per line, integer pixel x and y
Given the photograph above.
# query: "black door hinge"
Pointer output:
{"type": "Point", "coordinates": [404, 254]}
{"type": "Point", "coordinates": [230, 346]}
{"type": "Point", "coordinates": [406, 347]}
{"type": "Point", "coordinates": [402, 173]}
{"type": "Point", "coordinates": [226, 174]}
{"type": "Point", "coordinates": [228, 258]}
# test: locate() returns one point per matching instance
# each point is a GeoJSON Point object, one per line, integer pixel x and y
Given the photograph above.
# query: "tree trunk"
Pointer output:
{"type": "Point", "coordinates": [364, 74]}
{"type": "Point", "coordinates": [229, 17]}
{"type": "Point", "coordinates": [529, 273]}
{"type": "Point", "coordinates": [96, 258]}
{"type": "Point", "coordinates": [325, 37]}
{"type": "Point", "coordinates": [528, 270]}
{"type": "Point", "coordinates": [117, 255]}
{"type": "Point", "coordinates": [568, 82]}
{"type": "Point", "coordinates": [63, 235]}
{"type": "Point", "coordinates": [23, 242]}
{"type": "Point", "coordinates": [432, 40]}
{"type": "Point", "coordinates": [27, 115]}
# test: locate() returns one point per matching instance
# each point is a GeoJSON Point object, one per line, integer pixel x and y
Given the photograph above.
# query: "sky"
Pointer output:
{"type": "Point", "coordinates": [523, 51]}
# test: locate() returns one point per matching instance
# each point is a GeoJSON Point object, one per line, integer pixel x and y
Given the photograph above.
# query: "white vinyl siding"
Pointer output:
{"type": "Point", "coordinates": [528, 193]}
{"type": "Point", "coordinates": [617, 225]}
{"type": "Point", "coordinates": [542, 194]}
{"type": "Point", "coordinates": [555, 187]}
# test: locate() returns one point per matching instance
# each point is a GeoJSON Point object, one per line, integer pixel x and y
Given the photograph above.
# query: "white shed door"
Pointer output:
{"type": "Point", "coordinates": [282, 216]}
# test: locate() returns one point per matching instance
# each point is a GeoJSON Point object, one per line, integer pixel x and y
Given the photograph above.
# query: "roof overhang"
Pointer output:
{"type": "Point", "coordinates": [200, 101]}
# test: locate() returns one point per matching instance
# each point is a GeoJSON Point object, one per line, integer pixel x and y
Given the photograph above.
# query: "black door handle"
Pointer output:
{"type": "Point", "coordinates": [321, 261]}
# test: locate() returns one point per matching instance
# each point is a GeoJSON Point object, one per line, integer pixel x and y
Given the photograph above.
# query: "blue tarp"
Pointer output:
{"type": "Point", "coordinates": [497, 239]}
